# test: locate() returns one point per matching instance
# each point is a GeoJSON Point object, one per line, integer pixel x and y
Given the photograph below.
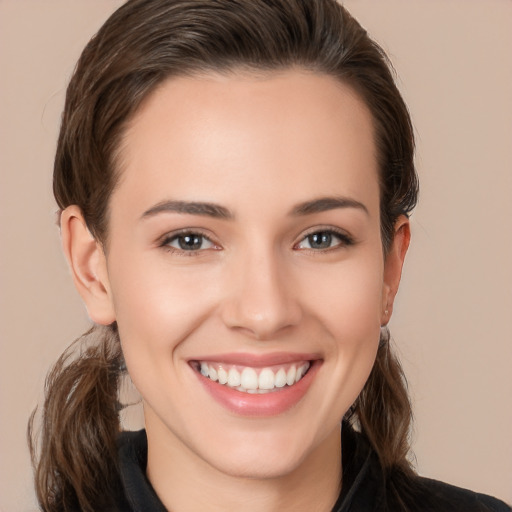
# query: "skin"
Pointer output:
{"type": "Point", "coordinates": [258, 146]}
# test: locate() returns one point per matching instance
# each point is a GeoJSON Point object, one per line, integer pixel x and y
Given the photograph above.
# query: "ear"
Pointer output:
{"type": "Point", "coordinates": [393, 266]}
{"type": "Point", "coordinates": [88, 266]}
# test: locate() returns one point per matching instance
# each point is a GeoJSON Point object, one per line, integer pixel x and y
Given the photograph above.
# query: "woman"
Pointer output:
{"type": "Point", "coordinates": [235, 180]}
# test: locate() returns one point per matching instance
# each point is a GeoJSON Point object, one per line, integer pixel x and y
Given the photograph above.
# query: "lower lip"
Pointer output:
{"type": "Point", "coordinates": [267, 404]}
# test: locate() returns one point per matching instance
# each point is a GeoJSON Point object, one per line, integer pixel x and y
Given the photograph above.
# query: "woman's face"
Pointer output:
{"type": "Point", "coordinates": [244, 250]}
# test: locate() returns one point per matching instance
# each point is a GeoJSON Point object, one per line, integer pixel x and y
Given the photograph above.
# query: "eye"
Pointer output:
{"type": "Point", "coordinates": [325, 239]}
{"type": "Point", "coordinates": [188, 242]}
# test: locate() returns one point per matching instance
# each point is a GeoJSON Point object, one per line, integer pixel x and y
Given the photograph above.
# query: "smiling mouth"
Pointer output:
{"type": "Point", "coordinates": [247, 379]}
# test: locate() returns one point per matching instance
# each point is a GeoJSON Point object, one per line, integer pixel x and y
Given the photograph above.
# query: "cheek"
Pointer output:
{"type": "Point", "coordinates": [348, 297]}
{"type": "Point", "coordinates": [348, 307]}
{"type": "Point", "coordinates": [156, 305]}
{"type": "Point", "coordinates": [157, 309]}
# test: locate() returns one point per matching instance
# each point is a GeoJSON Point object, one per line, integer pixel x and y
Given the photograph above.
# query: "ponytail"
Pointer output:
{"type": "Point", "coordinates": [383, 409]}
{"type": "Point", "coordinates": [75, 466]}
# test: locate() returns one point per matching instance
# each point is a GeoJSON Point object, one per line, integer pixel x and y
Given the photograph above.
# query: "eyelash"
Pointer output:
{"type": "Point", "coordinates": [345, 240]}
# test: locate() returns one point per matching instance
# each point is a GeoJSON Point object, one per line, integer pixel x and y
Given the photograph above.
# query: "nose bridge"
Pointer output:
{"type": "Point", "coordinates": [262, 300]}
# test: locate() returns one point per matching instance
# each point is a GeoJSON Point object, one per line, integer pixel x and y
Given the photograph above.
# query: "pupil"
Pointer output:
{"type": "Point", "coordinates": [190, 242]}
{"type": "Point", "coordinates": [320, 240]}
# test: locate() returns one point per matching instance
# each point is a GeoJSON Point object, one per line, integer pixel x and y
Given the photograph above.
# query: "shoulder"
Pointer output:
{"type": "Point", "coordinates": [366, 486]}
{"type": "Point", "coordinates": [446, 497]}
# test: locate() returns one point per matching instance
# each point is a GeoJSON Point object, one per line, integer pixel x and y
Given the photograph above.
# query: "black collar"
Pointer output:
{"type": "Point", "coordinates": [360, 477]}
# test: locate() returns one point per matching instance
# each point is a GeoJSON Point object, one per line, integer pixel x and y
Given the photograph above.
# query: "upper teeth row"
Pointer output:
{"type": "Point", "coordinates": [249, 380]}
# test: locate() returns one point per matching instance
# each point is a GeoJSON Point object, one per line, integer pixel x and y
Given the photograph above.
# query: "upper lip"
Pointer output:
{"type": "Point", "coordinates": [258, 360]}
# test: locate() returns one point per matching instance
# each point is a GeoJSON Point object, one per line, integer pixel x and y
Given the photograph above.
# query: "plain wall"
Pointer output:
{"type": "Point", "coordinates": [452, 318]}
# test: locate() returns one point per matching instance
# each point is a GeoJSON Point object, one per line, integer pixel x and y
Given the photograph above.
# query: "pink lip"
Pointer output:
{"type": "Point", "coordinates": [261, 405]}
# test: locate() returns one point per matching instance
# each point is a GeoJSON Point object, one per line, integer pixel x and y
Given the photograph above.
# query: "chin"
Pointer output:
{"type": "Point", "coordinates": [259, 465]}
{"type": "Point", "coordinates": [266, 454]}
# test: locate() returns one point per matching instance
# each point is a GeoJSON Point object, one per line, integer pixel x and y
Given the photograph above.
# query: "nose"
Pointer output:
{"type": "Point", "coordinates": [262, 300]}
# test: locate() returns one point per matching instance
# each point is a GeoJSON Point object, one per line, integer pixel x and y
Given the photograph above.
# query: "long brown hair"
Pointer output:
{"type": "Point", "coordinates": [143, 43]}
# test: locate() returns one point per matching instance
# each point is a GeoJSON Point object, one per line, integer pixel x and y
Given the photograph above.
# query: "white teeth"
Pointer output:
{"type": "Point", "coordinates": [212, 373]}
{"type": "Point", "coordinates": [280, 380]}
{"type": "Point", "coordinates": [266, 379]}
{"type": "Point", "coordinates": [290, 376]}
{"type": "Point", "coordinates": [234, 378]}
{"type": "Point", "coordinates": [248, 381]}
{"type": "Point", "coordinates": [223, 375]}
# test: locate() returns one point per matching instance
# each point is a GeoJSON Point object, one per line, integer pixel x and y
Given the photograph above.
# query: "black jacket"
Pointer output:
{"type": "Point", "coordinates": [365, 486]}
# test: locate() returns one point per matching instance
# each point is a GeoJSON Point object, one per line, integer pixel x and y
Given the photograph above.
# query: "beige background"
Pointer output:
{"type": "Point", "coordinates": [452, 322]}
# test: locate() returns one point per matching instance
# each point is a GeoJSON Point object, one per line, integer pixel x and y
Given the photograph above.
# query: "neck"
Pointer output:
{"type": "Point", "coordinates": [313, 485]}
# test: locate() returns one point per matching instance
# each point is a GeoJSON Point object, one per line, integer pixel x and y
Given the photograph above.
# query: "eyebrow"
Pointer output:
{"type": "Point", "coordinates": [327, 203]}
{"type": "Point", "coordinates": [220, 212]}
{"type": "Point", "coordinates": [192, 208]}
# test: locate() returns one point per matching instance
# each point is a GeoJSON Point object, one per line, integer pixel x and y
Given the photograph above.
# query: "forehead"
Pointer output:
{"type": "Point", "coordinates": [269, 134]}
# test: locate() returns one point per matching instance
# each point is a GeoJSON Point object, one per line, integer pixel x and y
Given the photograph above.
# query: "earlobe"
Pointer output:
{"type": "Point", "coordinates": [87, 262]}
{"type": "Point", "coordinates": [393, 266]}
